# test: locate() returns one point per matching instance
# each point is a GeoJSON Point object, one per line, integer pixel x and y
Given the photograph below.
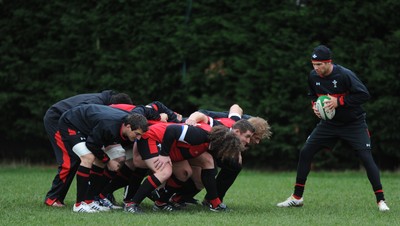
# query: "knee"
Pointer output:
{"type": "Point", "coordinates": [207, 162]}
{"type": "Point", "coordinates": [184, 174]}
{"type": "Point", "coordinates": [164, 174]}
{"type": "Point", "coordinates": [307, 153]}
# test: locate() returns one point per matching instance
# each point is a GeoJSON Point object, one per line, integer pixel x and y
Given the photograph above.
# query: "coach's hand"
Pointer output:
{"type": "Point", "coordinates": [315, 109]}
{"type": "Point", "coordinates": [331, 104]}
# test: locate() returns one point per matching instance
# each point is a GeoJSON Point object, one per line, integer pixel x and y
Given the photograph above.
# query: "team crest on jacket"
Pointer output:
{"type": "Point", "coordinates": [334, 83]}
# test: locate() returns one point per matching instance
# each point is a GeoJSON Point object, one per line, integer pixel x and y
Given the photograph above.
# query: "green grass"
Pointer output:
{"type": "Point", "coordinates": [331, 198]}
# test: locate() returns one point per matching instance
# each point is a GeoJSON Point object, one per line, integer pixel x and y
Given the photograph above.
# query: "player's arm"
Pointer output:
{"type": "Point", "coordinates": [222, 114]}
{"type": "Point", "coordinates": [96, 149]}
{"type": "Point", "coordinates": [197, 117]}
{"type": "Point", "coordinates": [97, 139]}
{"type": "Point", "coordinates": [358, 94]}
{"type": "Point", "coordinates": [147, 112]}
{"type": "Point", "coordinates": [311, 92]}
{"type": "Point", "coordinates": [235, 112]}
{"type": "Point", "coordinates": [313, 97]}
{"type": "Point", "coordinates": [125, 107]}
{"type": "Point", "coordinates": [161, 108]}
{"type": "Point", "coordinates": [214, 114]}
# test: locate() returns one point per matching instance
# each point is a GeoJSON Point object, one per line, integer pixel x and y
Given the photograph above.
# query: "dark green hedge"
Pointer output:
{"type": "Point", "coordinates": [198, 54]}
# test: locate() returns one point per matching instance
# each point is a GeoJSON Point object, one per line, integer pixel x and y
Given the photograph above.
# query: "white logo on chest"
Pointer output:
{"type": "Point", "coordinates": [334, 83]}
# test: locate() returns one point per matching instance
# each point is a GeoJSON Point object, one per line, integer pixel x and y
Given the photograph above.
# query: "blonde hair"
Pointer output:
{"type": "Point", "coordinates": [262, 128]}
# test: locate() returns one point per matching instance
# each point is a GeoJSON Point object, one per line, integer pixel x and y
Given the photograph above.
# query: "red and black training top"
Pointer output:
{"type": "Point", "coordinates": [179, 141]}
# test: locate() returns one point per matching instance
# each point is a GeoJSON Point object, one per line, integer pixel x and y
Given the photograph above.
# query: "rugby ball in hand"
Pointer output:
{"type": "Point", "coordinates": [325, 114]}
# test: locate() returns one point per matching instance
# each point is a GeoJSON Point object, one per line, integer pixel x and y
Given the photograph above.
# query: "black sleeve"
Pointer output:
{"type": "Point", "coordinates": [97, 152]}
{"type": "Point", "coordinates": [215, 114]}
{"type": "Point", "coordinates": [94, 142]}
{"type": "Point", "coordinates": [311, 92]}
{"type": "Point", "coordinates": [161, 108]}
{"type": "Point", "coordinates": [359, 94]}
{"type": "Point", "coordinates": [196, 135]}
{"type": "Point", "coordinates": [127, 145]}
{"type": "Point", "coordinates": [172, 133]}
{"type": "Point", "coordinates": [147, 112]}
{"type": "Point", "coordinates": [190, 134]}
{"type": "Point", "coordinates": [221, 114]}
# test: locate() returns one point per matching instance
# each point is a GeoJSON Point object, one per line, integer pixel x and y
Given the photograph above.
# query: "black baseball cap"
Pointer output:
{"type": "Point", "coordinates": [321, 53]}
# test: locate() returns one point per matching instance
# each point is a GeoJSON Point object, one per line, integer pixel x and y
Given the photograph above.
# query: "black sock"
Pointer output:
{"type": "Point", "coordinates": [299, 187]}
{"type": "Point", "coordinates": [379, 195]}
{"type": "Point", "coordinates": [148, 185]}
{"type": "Point", "coordinates": [189, 190]}
{"type": "Point", "coordinates": [209, 182]}
{"type": "Point", "coordinates": [226, 177]}
{"type": "Point", "coordinates": [82, 183]}
{"type": "Point", "coordinates": [109, 175]}
{"type": "Point", "coordinates": [172, 186]}
{"type": "Point", "coordinates": [134, 182]}
{"type": "Point", "coordinates": [97, 182]}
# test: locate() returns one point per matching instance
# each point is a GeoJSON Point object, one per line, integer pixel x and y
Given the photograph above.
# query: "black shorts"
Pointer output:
{"type": "Point", "coordinates": [148, 148]}
{"type": "Point", "coordinates": [356, 134]}
{"type": "Point", "coordinates": [70, 136]}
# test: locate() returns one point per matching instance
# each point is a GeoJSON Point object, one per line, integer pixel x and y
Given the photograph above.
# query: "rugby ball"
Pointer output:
{"type": "Point", "coordinates": [325, 114]}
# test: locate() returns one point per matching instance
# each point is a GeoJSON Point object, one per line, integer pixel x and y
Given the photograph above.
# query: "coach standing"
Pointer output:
{"type": "Point", "coordinates": [347, 93]}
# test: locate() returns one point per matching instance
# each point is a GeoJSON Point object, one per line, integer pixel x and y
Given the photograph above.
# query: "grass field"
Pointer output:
{"type": "Point", "coordinates": [331, 198]}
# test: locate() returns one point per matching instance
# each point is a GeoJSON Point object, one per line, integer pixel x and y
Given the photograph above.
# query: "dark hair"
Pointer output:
{"type": "Point", "coordinates": [137, 121]}
{"type": "Point", "coordinates": [243, 125]}
{"type": "Point", "coordinates": [224, 143]}
{"type": "Point", "coordinates": [120, 98]}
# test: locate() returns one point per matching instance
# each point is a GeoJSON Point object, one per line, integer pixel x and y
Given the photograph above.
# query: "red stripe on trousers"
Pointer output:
{"type": "Point", "coordinates": [66, 164]}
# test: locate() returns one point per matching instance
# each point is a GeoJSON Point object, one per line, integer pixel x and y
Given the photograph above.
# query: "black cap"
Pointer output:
{"type": "Point", "coordinates": [321, 53]}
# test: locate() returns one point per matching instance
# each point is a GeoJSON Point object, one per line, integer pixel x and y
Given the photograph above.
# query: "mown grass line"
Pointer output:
{"type": "Point", "coordinates": [331, 198]}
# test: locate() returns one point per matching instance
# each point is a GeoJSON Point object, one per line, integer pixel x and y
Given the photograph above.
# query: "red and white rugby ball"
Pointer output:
{"type": "Point", "coordinates": [325, 113]}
